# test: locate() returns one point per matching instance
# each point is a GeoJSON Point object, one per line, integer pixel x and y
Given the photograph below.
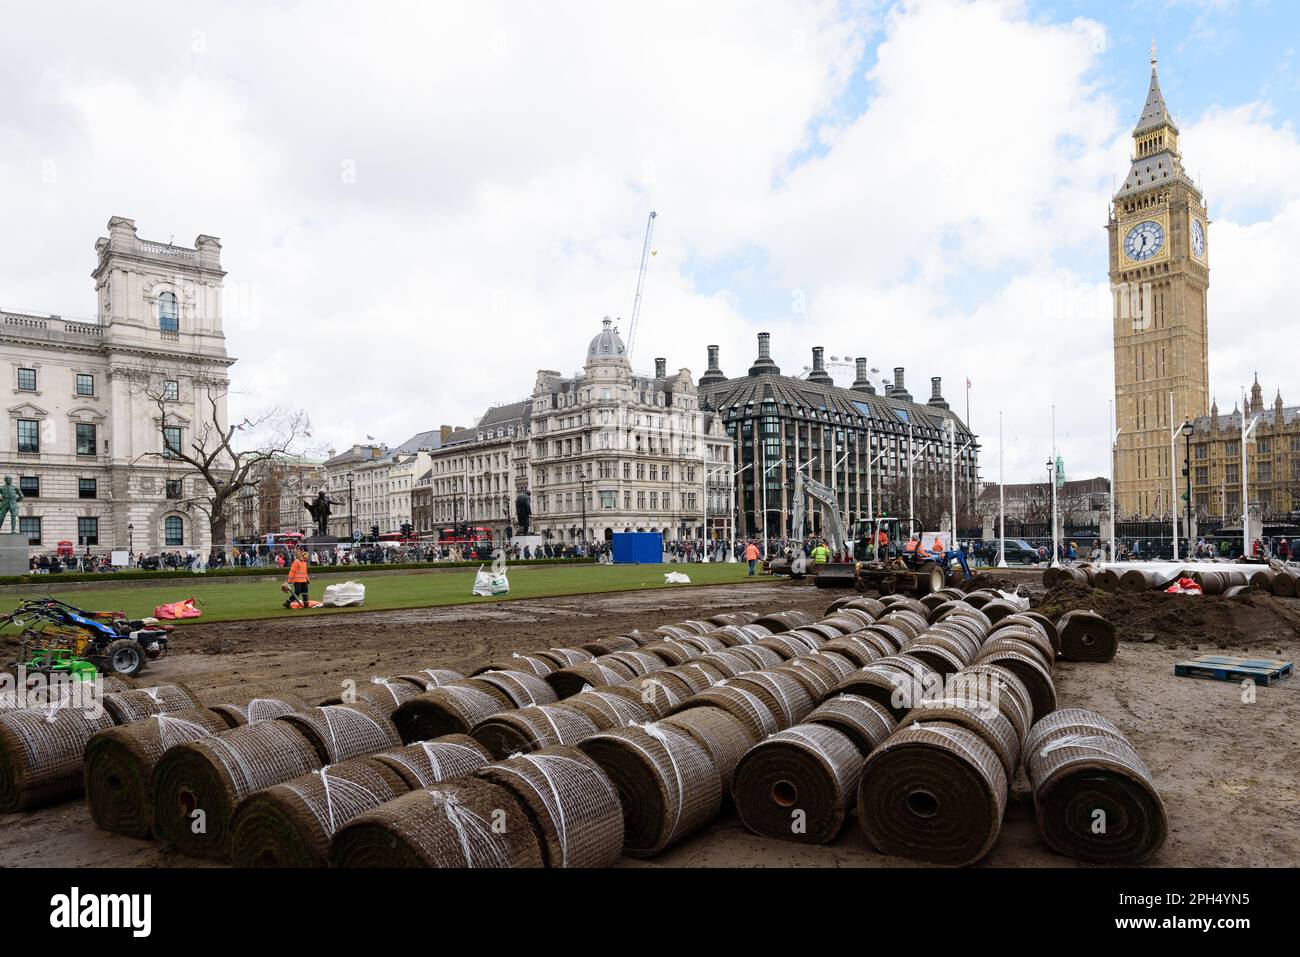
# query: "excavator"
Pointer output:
{"type": "Point", "coordinates": [894, 569]}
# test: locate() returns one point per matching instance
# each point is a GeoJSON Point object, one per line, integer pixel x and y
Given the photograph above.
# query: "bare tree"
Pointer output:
{"type": "Point", "coordinates": [223, 457]}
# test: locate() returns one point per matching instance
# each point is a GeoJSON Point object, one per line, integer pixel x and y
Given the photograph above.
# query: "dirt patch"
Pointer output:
{"type": "Point", "coordinates": [1255, 619]}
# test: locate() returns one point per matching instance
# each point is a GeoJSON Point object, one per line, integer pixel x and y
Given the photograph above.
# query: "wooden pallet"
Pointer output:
{"type": "Point", "coordinates": [1262, 671]}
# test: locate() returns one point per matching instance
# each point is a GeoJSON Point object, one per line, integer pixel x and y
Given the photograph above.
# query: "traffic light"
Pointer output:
{"type": "Point", "coordinates": [374, 532]}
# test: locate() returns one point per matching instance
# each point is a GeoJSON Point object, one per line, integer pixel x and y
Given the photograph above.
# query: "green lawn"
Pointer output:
{"type": "Point", "coordinates": [239, 600]}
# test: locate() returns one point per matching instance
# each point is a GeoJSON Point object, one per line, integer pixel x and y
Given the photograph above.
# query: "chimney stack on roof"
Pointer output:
{"type": "Point", "coordinates": [936, 393]}
{"type": "Point", "coordinates": [819, 373]}
{"type": "Point", "coordinates": [661, 368]}
{"type": "Point", "coordinates": [863, 383]}
{"type": "Point", "coordinates": [899, 391]}
{"type": "Point", "coordinates": [764, 365]}
{"type": "Point", "coordinates": [713, 373]}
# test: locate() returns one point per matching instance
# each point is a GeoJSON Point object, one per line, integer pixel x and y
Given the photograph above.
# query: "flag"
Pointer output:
{"type": "Point", "coordinates": [968, 382]}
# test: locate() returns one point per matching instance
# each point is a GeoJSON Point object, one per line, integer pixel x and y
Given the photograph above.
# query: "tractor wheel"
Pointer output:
{"type": "Point", "coordinates": [125, 657]}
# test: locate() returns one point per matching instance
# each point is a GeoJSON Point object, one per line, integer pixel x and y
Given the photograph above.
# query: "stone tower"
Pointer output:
{"type": "Point", "coordinates": [1159, 277]}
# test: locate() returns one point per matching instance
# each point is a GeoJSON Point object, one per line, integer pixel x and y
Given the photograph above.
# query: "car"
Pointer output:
{"type": "Point", "coordinates": [1018, 552]}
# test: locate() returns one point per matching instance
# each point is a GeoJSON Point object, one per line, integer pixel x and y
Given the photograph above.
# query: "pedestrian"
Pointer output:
{"type": "Point", "coordinates": [751, 555]}
{"type": "Point", "coordinates": [298, 581]}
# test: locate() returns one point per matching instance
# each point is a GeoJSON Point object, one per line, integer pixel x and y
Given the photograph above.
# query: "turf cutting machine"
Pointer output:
{"type": "Point", "coordinates": [59, 637]}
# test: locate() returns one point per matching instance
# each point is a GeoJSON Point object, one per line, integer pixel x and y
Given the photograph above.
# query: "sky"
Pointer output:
{"type": "Point", "coordinates": [422, 204]}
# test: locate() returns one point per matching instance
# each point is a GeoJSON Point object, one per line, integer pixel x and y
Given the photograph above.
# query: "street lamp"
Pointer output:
{"type": "Point", "coordinates": [584, 482]}
{"type": "Point", "coordinates": [352, 534]}
{"type": "Point", "coordinates": [1050, 499]}
{"type": "Point", "coordinates": [130, 541]}
{"type": "Point", "coordinates": [1187, 430]}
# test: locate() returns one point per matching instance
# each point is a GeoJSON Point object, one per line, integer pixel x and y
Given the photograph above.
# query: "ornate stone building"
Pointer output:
{"type": "Point", "coordinates": [86, 438]}
{"type": "Point", "coordinates": [613, 450]}
{"type": "Point", "coordinates": [478, 471]}
{"type": "Point", "coordinates": [1160, 276]}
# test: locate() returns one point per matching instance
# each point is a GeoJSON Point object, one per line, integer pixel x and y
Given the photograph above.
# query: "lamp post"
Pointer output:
{"type": "Point", "coordinates": [351, 515]}
{"type": "Point", "coordinates": [1188, 428]}
{"type": "Point", "coordinates": [735, 510]}
{"type": "Point", "coordinates": [1051, 499]}
{"type": "Point", "coordinates": [130, 542]}
{"type": "Point", "coordinates": [584, 482]}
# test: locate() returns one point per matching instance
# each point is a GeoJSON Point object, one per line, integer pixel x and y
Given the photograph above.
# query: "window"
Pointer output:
{"type": "Point", "coordinates": [87, 530]}
{"type": "Point", "coordinates": [30, 486]}
{"type": "Point", "coordinates": [87, 488]}
{"type": "Point", "coordinates": [173, 530]}
{"type": "Point", "coordinates": [27, 380]}
{"type": "Point", "coordinates": [29, 435]}
{"type": "Point", "coordinates": [168, 317]}
{"type": "Point", "coordinates": [30, 525]}
{"type": "Point", "coordinates": [85, 438]}
{"type": "Point", "coordinates": [171, 441]}
{"type": "Point", "coordinates": [607, 499]}
{"type": "Point", "coordinates": [173, 488]}
{"type": "Point", "coordinates": [171, 390]}
{"type": "Point", "coordinates": [85, 384]}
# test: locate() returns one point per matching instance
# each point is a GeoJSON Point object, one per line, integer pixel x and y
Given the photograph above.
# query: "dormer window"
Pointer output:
{"type": "Point", "coordinates": [168, 315]}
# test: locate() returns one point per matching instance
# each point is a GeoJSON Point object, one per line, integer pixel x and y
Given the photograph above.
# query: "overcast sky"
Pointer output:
{"type": "Point", "coordinates": [422, 204]}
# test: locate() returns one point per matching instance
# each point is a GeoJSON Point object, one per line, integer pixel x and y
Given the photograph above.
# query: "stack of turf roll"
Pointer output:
{"type": "Point", "coordinates": [571, 803]}
{"type": "Point", "coordinates": [1094, 797]}
{"type": "Point", "coordinates": [119, 764]}
{"type": "Point", "coordinates": [292, 824]}
{"type": "Point", "coordinates": [468, 822]}
{"type": "Point", "coordinates": [41, 751]}
{"type": "Point", "coordinates": [140, 703]}
{"type": "Point", "coordinates": [1086, 636]}
{"type": "Point", "coordinates": [197, 785]}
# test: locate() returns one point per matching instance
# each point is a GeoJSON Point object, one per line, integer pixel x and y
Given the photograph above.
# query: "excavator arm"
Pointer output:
{"type": "Point", "coordinates": [837, 538]}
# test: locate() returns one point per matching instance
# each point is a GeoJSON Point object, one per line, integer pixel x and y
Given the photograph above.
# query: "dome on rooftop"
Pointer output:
{"type": "Point", "coordinates": [608, 344]}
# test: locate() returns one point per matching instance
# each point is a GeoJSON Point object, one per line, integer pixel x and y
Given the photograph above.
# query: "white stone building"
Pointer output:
{"type": "Point", "coordinates": [85, 433]}
{"type": "Point", "coordinates": [477, 473]}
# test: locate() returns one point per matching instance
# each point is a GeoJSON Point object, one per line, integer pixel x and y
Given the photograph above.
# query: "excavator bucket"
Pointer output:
{"type": "Point", "coordinates": [837, 575]}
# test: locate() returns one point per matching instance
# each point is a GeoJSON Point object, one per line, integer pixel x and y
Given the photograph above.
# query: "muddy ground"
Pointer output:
{"type": "Point", "coordinates": [1226, 769]}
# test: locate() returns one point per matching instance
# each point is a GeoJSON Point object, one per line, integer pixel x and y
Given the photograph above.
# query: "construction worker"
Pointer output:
{"type": "Point", "coordinates": [751, 556]}
{"type": "Point", "coordinates": [298, 579]}
{"type": "Point", "coordinates": [821, 554]}
{"type": "Point", "coordinates": [882, 542]}
{"type": "Point", "coordinates": [915, 548]}
{"type": "Point", "coordinates": [937, 548]}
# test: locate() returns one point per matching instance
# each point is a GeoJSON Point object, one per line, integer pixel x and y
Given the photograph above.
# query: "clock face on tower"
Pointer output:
{"type": "Point", "coordinates": [1198, 239]}
{"type": "Point", "coordinates": [1144, 240]}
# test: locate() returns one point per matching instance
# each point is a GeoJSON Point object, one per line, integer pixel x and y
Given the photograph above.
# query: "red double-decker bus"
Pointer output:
{"type": "Point", "coordinates": [464, 535]}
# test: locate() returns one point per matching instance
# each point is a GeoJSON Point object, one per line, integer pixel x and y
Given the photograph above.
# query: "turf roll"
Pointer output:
{"type": "Point", "coordinates": [41, 753]}
{"type": "Point", "coordinates": [468, 822]}
{"type": "Point", "coordinates": [531, 729]}
{"type": "Point", "coordinates": [141, 703]}
{"type": "Point", "coordinates": [258, 709]}
{"type": "Point", "coordinates": [452, 709]}
{"type": "Point", "coordinates": [1029, 668]}
{"type": "Point", "coordinates": [571, 803]}
{"type": "Point", "coordinates": [385, 694]}
{"type": "Point", "coordinates": [565, 657]}
{"type": "Point", "coordinates": [197, 785]}
{"type": "Point", "coordinates": [855, 648]}
{"type": "Point", "coordinates": [426, 763]}
{"type": "Point", "coordinates": [784, 694]}
{"type": "Point", "coordinates": [661, 692]}
{"type": "Point", "coordinates": [797, 784]}
{"type": "Point", "coordinates": [896, 682]}
{"type": "Point", "coordinates": [594, 674]}
{"type": "Point", "coordinates": [430, 678]}
{"type": "Point", "coordinates": [819, 671]}
{"type": "Point", "coordinates": [667, 783]}
{"type": "Point", "coordinates": [341, 732]}
{"type": "Point", "coordinates": [292, 824]}
{"type": "Point", "coordinates": [611, 707]}
{"type": "Point", "coordinates": [1086, 636]}
{"type": "Point", "coordinates": [977, 715]}
{"type": "Point", "coordinates": [865, 722]}
{"type": "Point", "coordinates": [535, 664]}
{"type": "Point", "coordinates": [1094, 797]}
{"type": "Point", "coordinates": [724, 736]}
{"type": "Point", "coordinates": [998, 687]}
{"type": "Point", "coordinates": [119, 764]}
{"type": "Point", "coordinates": [933, 792]}
{"type": "Point", "coordinates": [743, 704]}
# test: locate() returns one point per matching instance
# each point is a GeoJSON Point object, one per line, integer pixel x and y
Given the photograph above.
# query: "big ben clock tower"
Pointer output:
{"type": "Point", "coordinates": [1159, 277]}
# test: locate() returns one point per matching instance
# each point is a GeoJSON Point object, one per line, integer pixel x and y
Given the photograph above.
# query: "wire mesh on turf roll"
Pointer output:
{"type": "Point", "coordinates": [571, 803]}
{"type": "Point", "coordinates": [719, 665]}
{"type": "Point", "coordinates": [1000, 686]}
{"type": "Point", "coordinates": [671, 652]}
{"type": "Point", "coordinates": [661, 692]}
{"type": "Point", "coordinates": [258, 709]}
{"type": "Point", "coordinates": [977, 715]}
{"type": "Point", "coordinates": [756, 655]}
{"type": "Point", "coordinates": [779, 621]}
{"type": "Point", "coordinates": [704, 643]}
{"type": "Point", "coordinates": [910, 623]}
{"type": "Point", "coordinates": [610, 707]}
{"type": "Point", "coordinates": [855, 648]}
{"type": "Point", "coordinates": [340, 732]}
{"type": "Point", "coordinates": [933, 792]}
{"type": "Point", "coordinates": [785, 695]}
{"type": "Point", "coordinates": [41, 754]}
{"type": "Point", "coordinates": [1032, 619]}
{"type": "Point", "coordinates": [839, 624]}
{"type": "Point", "coordinates": [872, 606]}
{"type": "Point", "coordinates": [451, 709]}
{"type": "Point", "coordinates": [567, 682]}
{"type": "Point", "coordinates": [468, 822]}
{"type": "Point", "coordinates": [139, 703]}
{"type": "Point", "coordinates": [787, 645]}
{"type": "Point", "coordinates": [1032, 634]}
{"type": "Point", "coordinates": [896, 683]}
{"type": "Point", "coordinates": [998, 609]}
{"type": "Point", "coordinates": [837, 604]}
{"type": "Point", "coordinates": [724, 736]}
{"type": "Point", "coordinates": [865, 722]}
{"type": "Point", "coordinates": [971, 618]}
{"type": "Point", "coordinates": [385, 694]}
{"type": "Point", "coordinates": [698, 626]}
{"type": "Point", "coordinates": [531, 729]}
{"type": "Point", "coordinates": [1086, 636]}
{"type": "Point", "coordinates": [859, 618]}
{"type": "Point", "coordinates": [639, 662]}
{"type": "Point", "coordinates": [1029, 669]}
{"type": "Point", "coordinates": [535, 664]}
{"type": "Point", "coordinates": [958, 638]}
{"type": "Point", "coordinates": [939, 654]}
{"type": "Point", "coordinates": [605, 646]}
{"type": "Point", "coordinates": [820, 671]}
{"type": "Point", "coordinates": [979, 597]}
{"type": "Point", "coordinates": [564, 657]}
{"type": "Point", "coordinates": [1094, 797]}
{"type": "Point", "coordinates": [119, 763]}
{"type": "Point", "coordinates": [733, 618]}
{"type": "Point", "coordinates": [897, 602]}
{"type": "Point", "coordinates": [731, 635]}
{"type": "Point", "coordinates": [895, 638]}
{"type": "Point", "coordinates": [695, 676]}
{"type": "Point", "coordinates": [425, 763]}
{"type": "Point", "coordinates": [743, 704]}
{"type": "Point", "coordinates": [430, 678]}
{"type": "Point", "coordinates": [667, 783]}
{"type": "Point", "coordinates": [797, 784]}
{"type": "Point", "coordinates": [522, 688]}
{"type": "Point", "coordinates": [201, 782]}
{"type": "Point", "coordinates": [1018, 645]}
{"type": "Point", "coordinates": [673, 632]}
{"type": "Point", "coordinates": [292, 824]}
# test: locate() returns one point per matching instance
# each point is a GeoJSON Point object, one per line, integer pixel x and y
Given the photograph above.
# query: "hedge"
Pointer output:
{"type": "Point", "coordinates": [264, 571]}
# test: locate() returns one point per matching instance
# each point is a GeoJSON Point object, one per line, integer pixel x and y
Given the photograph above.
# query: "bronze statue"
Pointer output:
{"type": "Point", "coordinates": [524, 511]}
{"type": "Point", "coordinates": [319, 509]}
{"type": "Point", "coordinates": [10, 496]}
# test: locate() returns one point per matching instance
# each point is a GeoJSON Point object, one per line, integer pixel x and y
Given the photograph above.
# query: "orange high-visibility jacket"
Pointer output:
{"type": "Point", "coordinates": [297, 571]}
{"type": "Point", "coordinates": [751, 552]}
{"type": "Point", "coordinates": [938, 544]}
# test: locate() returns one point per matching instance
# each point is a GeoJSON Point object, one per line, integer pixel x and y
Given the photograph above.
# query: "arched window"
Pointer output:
{"type": "Point", "coordinates": [173, 530]}
{"type": "Point", "coordinates": [168, 316]}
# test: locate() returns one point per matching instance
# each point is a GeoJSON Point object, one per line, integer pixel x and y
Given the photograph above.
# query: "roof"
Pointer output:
{"type": "Point", "coordinates": [608, 343]}
{"type": "Point", "coordinates": [852, 405]}
{"type": "Point", "coordinates": [431, 439]}
{"type": "Point", "coordinates": [355, 454]}
{"type": "Point", "coordinates": [1155, 114]}
{"type": "Point", "coordinates": [1232, 421]}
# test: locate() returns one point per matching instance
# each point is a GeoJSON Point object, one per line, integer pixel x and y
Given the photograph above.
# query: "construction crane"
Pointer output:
{"type": "Point", "coordinates": [640, 283]}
